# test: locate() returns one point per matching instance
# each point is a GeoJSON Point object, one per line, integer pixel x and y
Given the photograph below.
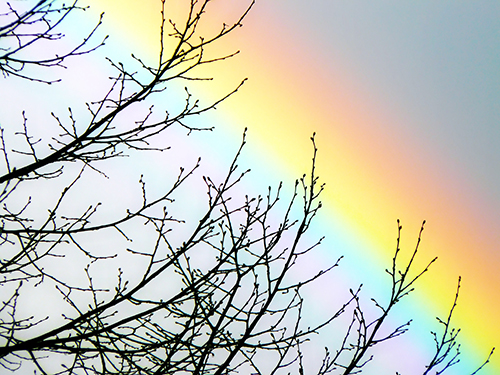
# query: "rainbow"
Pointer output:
{"type": "Point", "coordinates": [375, 170]}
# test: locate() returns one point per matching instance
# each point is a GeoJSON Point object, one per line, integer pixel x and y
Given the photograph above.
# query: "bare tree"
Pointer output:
{"type": "Point", "coordinates": [21, 30]}
{"type": "Point", "coordinates": [215, 302]}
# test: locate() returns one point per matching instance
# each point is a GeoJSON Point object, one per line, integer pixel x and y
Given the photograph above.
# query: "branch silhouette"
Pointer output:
{"type": "Point", "coordinates": [218, 296]}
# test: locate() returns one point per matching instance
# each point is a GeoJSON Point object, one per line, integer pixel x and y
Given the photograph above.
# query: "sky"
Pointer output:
{"type": "Point", "coordinates": [404, 99]}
